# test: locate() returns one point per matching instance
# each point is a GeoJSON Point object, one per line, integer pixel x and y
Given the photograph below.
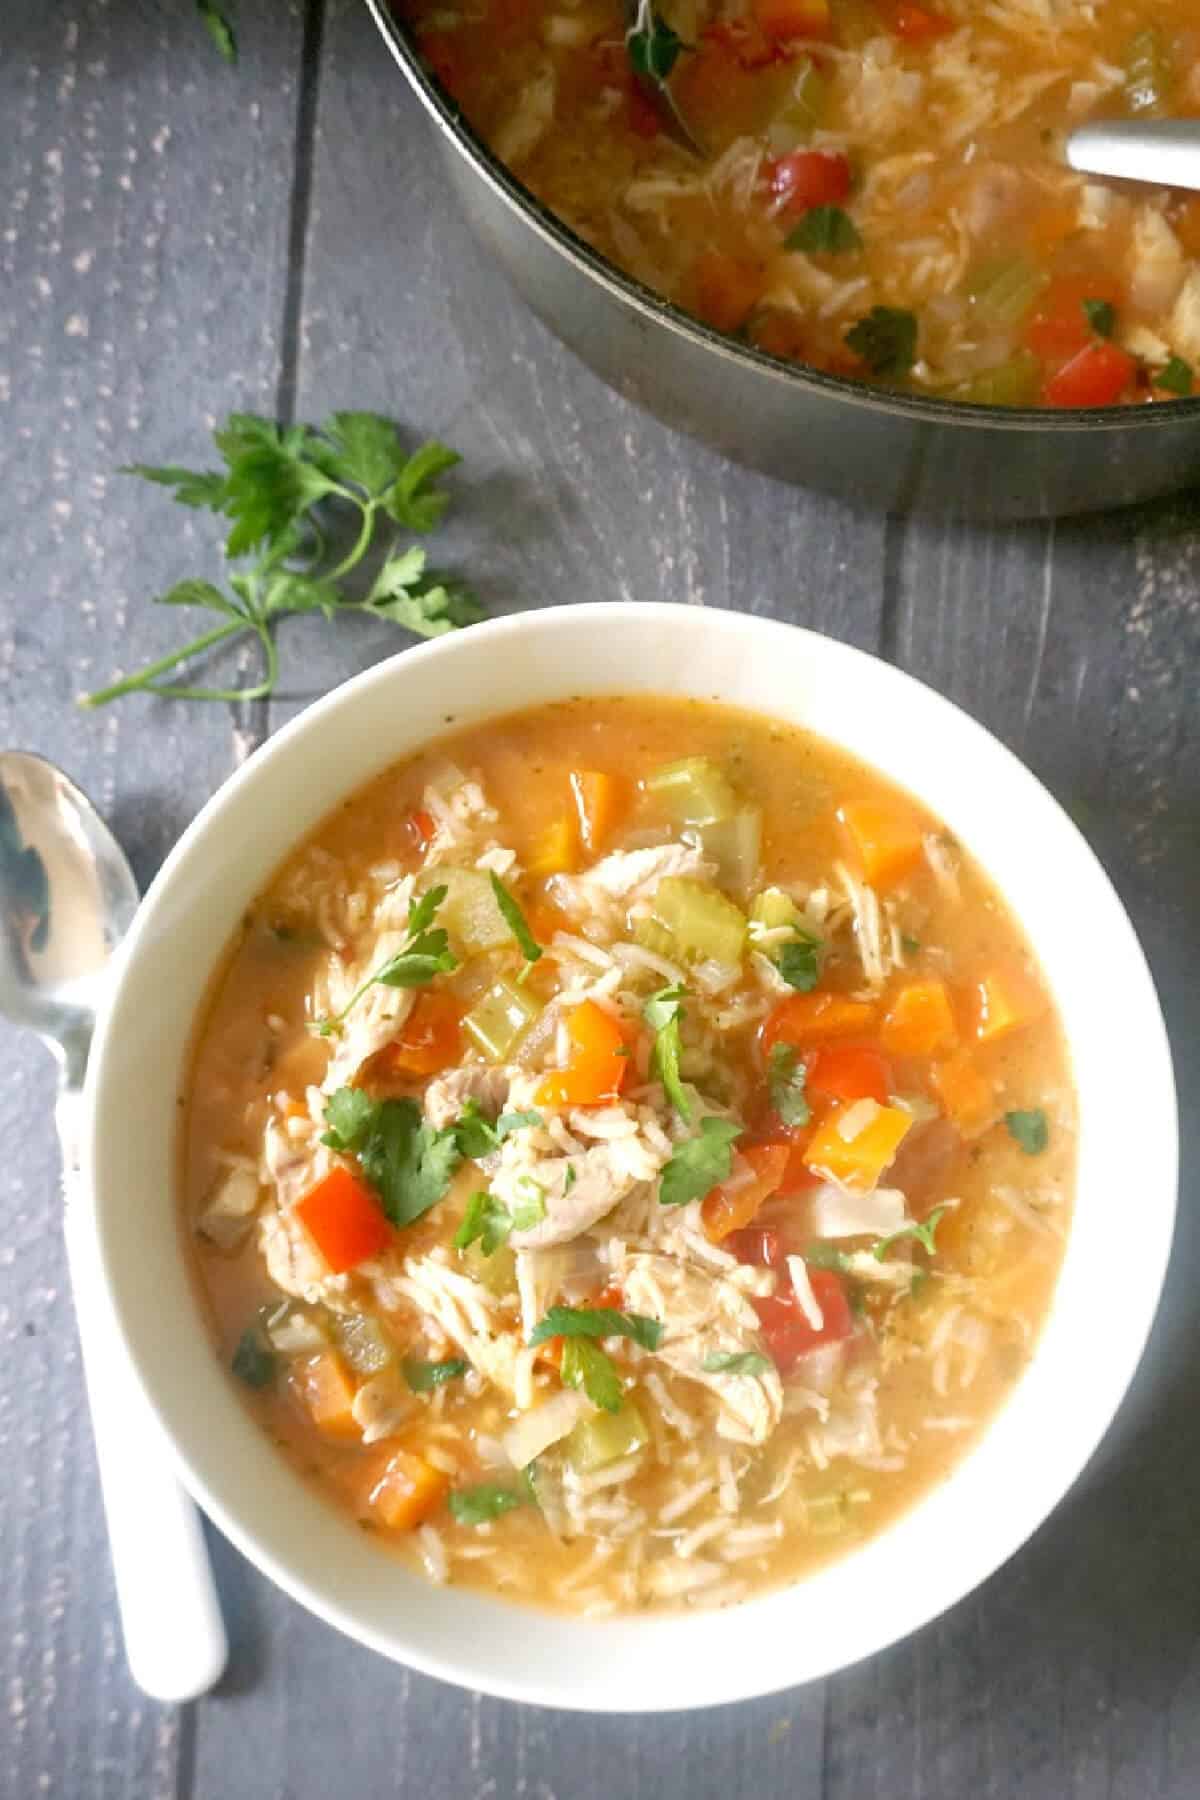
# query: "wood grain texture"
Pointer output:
{"type": "Point", "coordinates": [176, 241]}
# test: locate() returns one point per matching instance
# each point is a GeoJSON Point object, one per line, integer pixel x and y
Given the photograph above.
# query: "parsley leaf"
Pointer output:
{"type": "Point", "coordinates": [487, 1222]}
{"type": "Point", "coordinates": [824, 231]}
{"type": "Point", "coordinates": [652, 47]}
{"type": "Point", "coordinates": [597, 1322]}
{"type": "Point", "coordinates": [478, 1137]}
{"type": "Point", "coordinates": [570, 1179]}
{"type": "Point", "coordinates": [529, 1208]}
{"type": "Point", "coordinates": [699, 1163]}
{"type": "Point", "coordinates": [426, 954]}
{"type": "Point", "coordinates": [508, 1122]}
{"type": "Point", "coordinates": [786, 1075]}
{"type": "Point", "coordinates": [663, 1012]}
{"type": "Point", "coordinates": [924, 1232]}
{"type": "Point", "coordinates": [799, 962]}
{"type": "Point", "coordinates": [1176, 376]}
{"type": "Point", "coordinates": [479, 1505]}
{"type": "Point", "coordinates": [1101, 315]}
{"type": "Point", "coordinates": [1030, 1129]}
{"type": "Point", "coordinates": [886, 340]}
{"type": "Point", "coordinates": [252, 1362]}
{"type": "Point", "coordinates": [219, 29]}
{"type": "Point", "coordinates": [736, 1362]}
{"type": "Point", "coordinates": [407, 1162]}
{"type": "Point", "coordinates": [515, 919]}
{"type": "Point", "coordinates": [285, 494]}
{"type": "Point", "coordinates": [584, 1365]}
{"type": "Point", "coordinates": [422, 1377]}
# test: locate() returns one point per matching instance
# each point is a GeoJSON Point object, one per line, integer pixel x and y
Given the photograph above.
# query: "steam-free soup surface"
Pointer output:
{"type": "Point", "coordinates": [628, 1155]}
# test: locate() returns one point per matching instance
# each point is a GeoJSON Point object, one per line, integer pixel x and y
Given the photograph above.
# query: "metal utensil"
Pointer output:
{"type": "Point", "coordinates": [1164, 152]}
{"type": "Point", "coordinates": [67, 896]}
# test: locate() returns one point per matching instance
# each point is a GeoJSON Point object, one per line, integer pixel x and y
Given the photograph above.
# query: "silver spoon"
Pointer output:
{"type": "Point", "coordinates": [1164, 152]}
{"type": "Point", "coordinates": [67, 896]}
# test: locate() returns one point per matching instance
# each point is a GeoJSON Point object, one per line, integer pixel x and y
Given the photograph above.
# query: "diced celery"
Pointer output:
{"type": "Point", "coordinates": [735, 845]}
{"type": "Point", "coordinates": [773, 908]}
{"type": "Point", "coordinates": [497, 1272]}
{"type": "Point", "coordinates": [694, 791]}
{"type": "Point", "coordinates": [702, 922]}
{"type": "Point", "coordinates": [469, 912]}
{"type": "Point", "coordinates": [653, 937]}
{"type": "Point", "coordinates": [1148, 72]}
{"type": "Point", "coordinates": [1016, 382]}
{"type": "Point", "coordinates": [502, 1017]}
{"type": "Point", "coordinates": [605, 1438]}
{"type": "Point", "coordinates": [1005, 287]}
{"type": "Point", "coordinates": [363, 1342]}
{"type": "Point", "coordinates": [803, 111]}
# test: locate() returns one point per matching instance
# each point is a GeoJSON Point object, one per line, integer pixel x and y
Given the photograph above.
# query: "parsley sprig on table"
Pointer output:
{"type": "Point", "coordinates": [283, 489]}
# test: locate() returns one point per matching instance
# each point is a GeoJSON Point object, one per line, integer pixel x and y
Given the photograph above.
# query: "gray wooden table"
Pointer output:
{"type": "Point", "coordinates": [178, 240]}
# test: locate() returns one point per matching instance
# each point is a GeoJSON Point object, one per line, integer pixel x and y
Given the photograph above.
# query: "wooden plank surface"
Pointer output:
{"type": "Point", "coordinates": [174, 242]}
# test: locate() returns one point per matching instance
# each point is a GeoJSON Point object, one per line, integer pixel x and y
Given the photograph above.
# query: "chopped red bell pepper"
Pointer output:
{"type": "Point", "coordinates": [786, 1330]}
{"type": "Point", "coordinates": [1097, 376]}
{"type": "Point", "coordinates": [344, 1220]}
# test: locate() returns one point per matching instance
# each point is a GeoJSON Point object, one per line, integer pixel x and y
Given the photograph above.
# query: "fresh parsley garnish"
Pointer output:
{"type": "Point", "coordinates": [924, 1232]}
{"type": "Point", "coordinates": [286, 492]}
{"type": "Point", "coordinates": [736, 1362]}
{"type": "Point", "coordinates": [799, 962]}
{"type": "Point", "coordinates": [1030, 1129]}
{"type": "Point", "coordinates": [663, 1012]}
{"type": "Point", "coordinates": [824, 231]}
{"type": "Point", "coordinates": [529, 1204]}
{"type": "Point", "coordinates": [584, 1365]}
{"type": "Point", "coordinates": [597, 1322]}
{"type": "Point", "coordinates": [1101, 315]}
{"type": "Point", "coordinates": [652, 47]}
{"type": "Point", "coordinates": [407, 1162]}
{"type": "Point", "coordinates": [487, 1222]}
{"type": "Point", "coordinates": [219, 29]}
{"type": "Point", "coordinates": [479, 1505]}
{"type": "Point", "coordinates": [886, 340]}
{"type": "Point", "coordinates": [253, 1362]}
{"type": "Point", "coordinates": [422, 1377]}
{"type": "Point", "coordinates": [516, 921]}
{"type": "Point", "coordinates": [786, 1076]}
{"type": "Point", "coordinates": [570, 1179]}
{"type": "Point", "coordinates": [478, 1137]}
{"type": "Point", "coordinates": [823, 1255]}
{"type": "Point", "coordinates": [426, 954]}
{"type": "Point", "coordinates": [1176, 376]}
{"type": "Point", "coordinates": [699, 1163]}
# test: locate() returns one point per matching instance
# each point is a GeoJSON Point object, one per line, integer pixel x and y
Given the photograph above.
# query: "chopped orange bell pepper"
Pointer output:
{"type": "Point", "coordinates": [429, 1039]}
{"type": "Point", "coordinates": [920, 1021]}
{"type": "Point", "coordinates": [966, 1093]}
{"type": "Point", "coordinates": [732, 1205]}
{"type": "Point", "coordinates": [858, 1162]}
{"type": "Point", "coordinates": [600, 800]}
{"type": "Point", "coordinates": [1003, 1001]}
{"type": "Point", "coordinates": [556, 850]}
{"type": "Point", "coordinates": [344, 1220]}
{"type": "Point", "coordinates": [598, 1065]}
{"type": "Point", "coordinates": [326, 1391]}
{"type": "Point", "coordinates": [804, 1019]}
{"type": "Point", "coordinates": [407, 1490]}
{"type": "Point", "coordinates": [887, 839]}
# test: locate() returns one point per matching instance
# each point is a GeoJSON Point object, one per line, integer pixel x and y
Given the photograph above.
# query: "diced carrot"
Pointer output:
{"type": "Point", "coordinates": [600, 799]}
{"type": "Point", "coordinates": [726, 291]}
{"type": "Point", "coordinates": [920, 1021]}
{"type": "Point", "coordinates": [1003, 1001]}
{"type": "Point", "coordinates": [848, 1072]}
{"type": "Point", "coordinates": [804, 1019]}
{"type": "Point", "coordinates": [407, 1490]}
{"type": "Point", "coordinates": [886, 837]}
{"type": "Point", "coordinates": [344, 1220]}
{"type": "Point", "coordinates": [967, 1095]}
{"type": "Point", "coordinates": [1097, 376]}
{"type": "Point", "coordinates": [784, 20]}
{"type": "Point", "coordinates": [429, 1040]}
{"type": "Point", "coordinates": [733, 1204]}
{"type": "Point", "coordinates": [327, 1393]}
{"type": "Point", "coordinates": [598, 1065]}
{"type": "Point", "coordinates": [916, 25]}
{"type": "Point", "coordinates": [421, 827]}
{"type": "Point", "coordinates": [556, 850]}
{"type": "Point", "coordinates": [858, 1162]}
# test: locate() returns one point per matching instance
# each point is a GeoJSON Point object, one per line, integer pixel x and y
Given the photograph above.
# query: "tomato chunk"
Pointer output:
{"type": "Point", "coordinates": [758, 1244]}
{"type": "Point", "coordinates": [344, 1220]}
{"type": "Point", "coordinates": [1097, 376]}
{"type": "Point", "coordinates": [1059, 327]}
{"type": "Point", "coordinates": [787, 1331]}
{"type": "Point", "coordinates": [808, 178]}
{"type": "Point", "coordinates": [849, 1072]}
{"type": "Point", "coordinates": [421, 827]}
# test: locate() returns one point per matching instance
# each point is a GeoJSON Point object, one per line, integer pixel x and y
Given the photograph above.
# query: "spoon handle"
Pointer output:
{"type": "Point", "coordinates": [174, 1635]}
{"type": "Point", "coordinates": [1165, 152]}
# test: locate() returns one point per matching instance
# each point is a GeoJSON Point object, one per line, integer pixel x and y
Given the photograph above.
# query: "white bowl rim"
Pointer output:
{"type": "Point", "coordinates": [622, 1654]}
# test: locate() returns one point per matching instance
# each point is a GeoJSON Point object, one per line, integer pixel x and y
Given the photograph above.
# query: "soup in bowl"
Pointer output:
{"type": "Point", "coordinates": [626, 1156]}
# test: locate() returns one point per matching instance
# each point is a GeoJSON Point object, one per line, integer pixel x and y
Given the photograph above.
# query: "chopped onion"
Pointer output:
{"type": "Point", "coordinates": [855, 1119]}
{"type": "Point", "coordinates": [837, 1213]}
{"type": "Point", "coordinates": [535, 1431]}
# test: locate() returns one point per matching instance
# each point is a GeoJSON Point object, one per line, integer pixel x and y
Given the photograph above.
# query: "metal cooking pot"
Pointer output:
{"type": "Point", "coordinates": [884, 449]}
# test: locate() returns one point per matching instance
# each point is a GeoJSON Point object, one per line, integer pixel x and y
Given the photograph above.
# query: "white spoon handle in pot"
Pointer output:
{"type": "Point", "coordinates": [174, 1635]}
{"type": "Point", "coordinates": [1164, 152]}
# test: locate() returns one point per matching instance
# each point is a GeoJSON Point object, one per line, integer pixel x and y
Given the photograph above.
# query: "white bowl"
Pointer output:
{"type": "Point", "coordinates": [962, 1530]}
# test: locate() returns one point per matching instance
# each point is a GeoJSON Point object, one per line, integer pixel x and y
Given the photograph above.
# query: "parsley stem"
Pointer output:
{"type": "Point", "coordinates": [143, 678]}
{"type": "Point", "coordinates": [359, 548]}
{"type": "Point", "coordinates": [257, 691]}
